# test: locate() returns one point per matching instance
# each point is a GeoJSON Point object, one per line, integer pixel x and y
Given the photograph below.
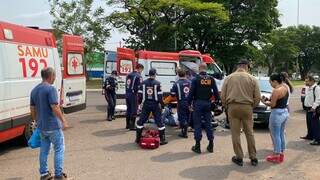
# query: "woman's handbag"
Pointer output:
{"type": "Point", "coordinates": [35, 139]}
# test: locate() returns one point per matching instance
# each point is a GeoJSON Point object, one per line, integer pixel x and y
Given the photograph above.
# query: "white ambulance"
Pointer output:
{"type": "Point", "coordinates": [165, 63]}
{"type": "Point", "coordinates": [23, 53]}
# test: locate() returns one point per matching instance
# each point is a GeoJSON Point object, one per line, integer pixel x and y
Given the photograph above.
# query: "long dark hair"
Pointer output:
{"type": "Point", "coordinates": [285, 78]}
{"type": "Point", "coordinates": [281, 78]}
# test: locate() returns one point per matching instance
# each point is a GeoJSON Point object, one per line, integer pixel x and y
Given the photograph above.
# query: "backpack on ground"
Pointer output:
{"type": "Point", "coordinates": [150, 139]}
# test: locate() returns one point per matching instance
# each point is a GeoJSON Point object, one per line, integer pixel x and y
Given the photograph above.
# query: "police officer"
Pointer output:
{"type": "Point", "coordinates": [110, 87]}
{"type": "Point", "coordinates": [181, 91]}
{"type": "Point", "coordinates": [150, 95]}
{"type": "Point", "coordinates": [133, 81]}
{"type": "Point", "coordinates": [203, 87]}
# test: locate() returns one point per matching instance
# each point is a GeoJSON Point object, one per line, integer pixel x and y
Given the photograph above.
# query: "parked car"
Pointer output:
{"type": "Point", "coordinates": [262, 112]}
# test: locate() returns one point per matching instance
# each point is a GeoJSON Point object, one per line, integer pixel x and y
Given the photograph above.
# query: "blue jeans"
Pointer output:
{"type": "Point", "coordinates": [277, 122]}
{"type": "Point", "coordinates": [57, 139]}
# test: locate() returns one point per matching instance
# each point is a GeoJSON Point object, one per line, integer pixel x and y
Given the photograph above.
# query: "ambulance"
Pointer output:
{"type": "Point", "coordinates": [23, 53]}
{"type": "Point", "coordinates": [165, 63]}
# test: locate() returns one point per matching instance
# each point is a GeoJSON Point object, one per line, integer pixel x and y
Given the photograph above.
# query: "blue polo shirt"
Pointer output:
{"type": "Point", "coordinates": [42, 97]}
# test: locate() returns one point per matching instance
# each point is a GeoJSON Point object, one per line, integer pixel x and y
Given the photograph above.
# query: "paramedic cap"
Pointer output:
{"type": "Point", "coordinates": [152, 72]}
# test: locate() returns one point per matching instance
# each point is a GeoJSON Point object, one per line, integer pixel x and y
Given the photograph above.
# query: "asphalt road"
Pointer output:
{"type": "Point", "coordinates": [98, 150]}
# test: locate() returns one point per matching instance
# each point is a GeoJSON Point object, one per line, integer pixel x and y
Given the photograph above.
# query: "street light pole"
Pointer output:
{"type": "Point", "coordinates": [298, 13]}
{"type": "Point", "coordinates": [298, 18]}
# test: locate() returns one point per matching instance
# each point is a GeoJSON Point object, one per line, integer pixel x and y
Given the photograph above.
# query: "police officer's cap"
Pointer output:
{"type": "Point", "coordinates": [152, 72]}
{"type": "Point", "coordinates": [244, 62]}
{"type": "Point", "coordinates": [114, 72]}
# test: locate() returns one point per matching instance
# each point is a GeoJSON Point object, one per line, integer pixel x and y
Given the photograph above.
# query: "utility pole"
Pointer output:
{"type": "Point", "coordinates": [298, 18]}
{"type": "Point", "coordinates": [298, 13]}
{"type": "Point", "coordinates": [175, 32]}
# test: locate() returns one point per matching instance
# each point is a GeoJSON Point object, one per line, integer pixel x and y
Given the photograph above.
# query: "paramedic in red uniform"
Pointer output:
{"type": "Point", "coordinates": [150, 94]}
{"type": "Point", "coordinates": [133, 82]}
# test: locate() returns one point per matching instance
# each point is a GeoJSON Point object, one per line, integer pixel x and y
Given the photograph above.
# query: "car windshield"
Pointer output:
{"type": "Point", "coordinates": [265, 86]}
{"type": "Point", "coordinates": [212, 69]}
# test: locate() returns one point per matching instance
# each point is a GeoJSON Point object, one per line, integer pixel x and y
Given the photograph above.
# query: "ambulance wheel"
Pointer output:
{"type": "Point", "coordinates": [30, 127]}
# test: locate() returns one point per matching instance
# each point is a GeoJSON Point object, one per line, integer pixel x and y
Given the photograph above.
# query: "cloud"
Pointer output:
{"type": "Point", "coordinates": [33, 15]}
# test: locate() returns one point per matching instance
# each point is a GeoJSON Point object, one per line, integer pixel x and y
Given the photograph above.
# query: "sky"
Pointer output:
{"type": "Point", "coordinates": [36, 13]}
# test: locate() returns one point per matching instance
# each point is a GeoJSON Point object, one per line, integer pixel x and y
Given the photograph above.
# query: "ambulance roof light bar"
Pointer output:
{"type": "Point", "coordinates": [8, 34]}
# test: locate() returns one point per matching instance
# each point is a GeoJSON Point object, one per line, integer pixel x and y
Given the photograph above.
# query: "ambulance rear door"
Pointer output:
{"type": "Point", "coordinates": [126, 61]}
{"type": "Point", "coordinates": [74, 79]}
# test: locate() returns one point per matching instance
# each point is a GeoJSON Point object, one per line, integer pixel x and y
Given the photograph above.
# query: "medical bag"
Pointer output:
{"type": "Point", "coordinates": [150, 139]}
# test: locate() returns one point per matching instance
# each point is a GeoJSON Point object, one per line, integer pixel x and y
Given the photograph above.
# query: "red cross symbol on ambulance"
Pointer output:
{"type": "Point", "coordinates": [74, 63]}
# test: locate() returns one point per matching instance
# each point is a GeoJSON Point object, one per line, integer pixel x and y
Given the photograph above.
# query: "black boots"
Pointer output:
{"type": "Point", "coordinates": [184, 132]}
{"type": "Point", "coordinates": [196, 147]}
{"type": "Point", "coordinates": [132, 124]}
{"type": "Point", "coordinates": [127, 122]}
{"type": "Point", "coordinates": [109, 118]}
{"type": "Point", "coordinates": [138, 135]}
{"type": "Point", "coordinates": [162, 137]}
{"type": "Point", "coordinates": [210, 147]}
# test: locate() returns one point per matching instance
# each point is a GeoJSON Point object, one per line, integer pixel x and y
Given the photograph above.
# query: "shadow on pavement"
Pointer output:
{"type": "Point", "coordinates": [261, 153]}
{"type": "Point", "coordinates": [222, 171]}
{"type": "Point", "coordinates": [15, 178]}
{"type": "Point", "coordinates": [301, 145]}
{"type": "Point", "coordinates": [170, 157]}
{"type": "Point", "coordinates": [101, 108]}
{"type": "Point", "coordinates": [125, 147]}
{"type": "Point", "coordinates": [11, 145]}
{"type": "Point", "coordinates": [110, 132]}
{"type": "Point", "coordinates": [300, 111]}
{"type": "Point", "coordinates": [93, 121]}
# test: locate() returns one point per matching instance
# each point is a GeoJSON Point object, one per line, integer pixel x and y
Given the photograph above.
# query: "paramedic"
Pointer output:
{"type": "Point", "coordinates": [110, 87]}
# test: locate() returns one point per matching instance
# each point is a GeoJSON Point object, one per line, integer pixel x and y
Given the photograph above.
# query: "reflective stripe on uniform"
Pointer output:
{"type": "Point", "coordinates": [179, 91]}
{"type": "Point", "coordinates": [155, 92]}
{"type": "Point", "coordinates": [162, 128]}
{"type": "Point", "coordinates": [143, 92]}
{"type": "Point", "coordinates": [132, 85]}
{"type": "Point", "coordinates": [139, 127]}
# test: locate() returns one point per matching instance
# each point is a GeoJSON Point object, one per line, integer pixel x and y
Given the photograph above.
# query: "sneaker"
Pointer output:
{"type": "Point", "coordinates": [254, 162]}
{"type": "Point", "coordinates": [62, 177]}
{"type": "Point", "coordinates": [281, 157]}
{"type": "Point", "coordinates": [274, 158]}
{"type": "Point", "coordinates": [315, 143]}
{"type": "Point", "coordinates": [237, 161]}
{"type": "Point", "coordinates": [46, 177]}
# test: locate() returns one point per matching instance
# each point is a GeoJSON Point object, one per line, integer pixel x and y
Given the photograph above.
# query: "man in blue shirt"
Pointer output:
{"type": "Point", "coordinates": [45, 110]}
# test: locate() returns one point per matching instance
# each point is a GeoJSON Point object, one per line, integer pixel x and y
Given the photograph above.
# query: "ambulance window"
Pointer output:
{"type": "Point", "coordinates": [164, 68]}
{"type": "Point", "coordinates": [75, 64]}
{"type": "Point", "coordinates": [110, 67]}
{"type": "Point", "coordinates": [126, 66]}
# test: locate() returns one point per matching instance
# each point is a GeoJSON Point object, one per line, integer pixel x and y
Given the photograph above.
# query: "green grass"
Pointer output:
{"type": "Point", "coordinates": [94, 84]}
{"type": "Point", "coordinates": [296, 83]}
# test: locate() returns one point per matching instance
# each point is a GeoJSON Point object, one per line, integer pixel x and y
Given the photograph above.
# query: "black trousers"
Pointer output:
{"type": "Point", "coordinates": [315, 127]}
{"type": "Point", "coordinates": [111, 99]}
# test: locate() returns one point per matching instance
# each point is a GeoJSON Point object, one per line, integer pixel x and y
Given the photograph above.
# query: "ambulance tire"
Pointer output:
{"type": "Point", "coordinates": [30, 127]}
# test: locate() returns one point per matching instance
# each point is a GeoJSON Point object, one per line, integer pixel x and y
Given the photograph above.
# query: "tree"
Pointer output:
{"type": "Point", "coordinates": [279, 51]}
{"type": "Point", "coordinates": [224, 28]}
{"type": "Point", "coordinates": [154, 24]}
{"type": "Point", "coordinates": [77, 17]}
{"type": "Point", "coordinates": [308, 41]}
